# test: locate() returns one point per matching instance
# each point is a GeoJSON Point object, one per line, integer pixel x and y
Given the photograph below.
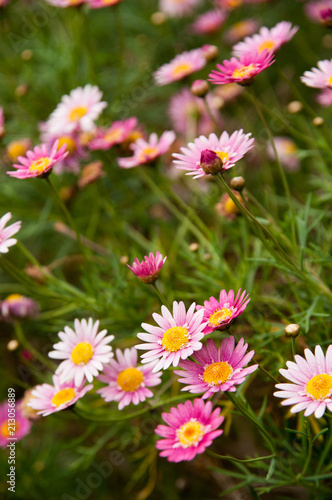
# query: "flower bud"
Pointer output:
{"type": "Point", "coordinates": [318, 121]}
{"type": "Point", "coordinates": [200, 88]}
{"type": "Point", "coordinates": [211, 162]}
{"type": "Point", "coordinates": [238, 183]}
{"type": "Point", "coordinates": [292, 330]}
{"type": "Point", "coordinates": [210, 52]}
{"type": "Point", "coordinates": [294, 107]}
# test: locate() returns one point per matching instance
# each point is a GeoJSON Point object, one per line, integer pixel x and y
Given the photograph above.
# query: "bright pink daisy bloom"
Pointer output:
{"type": "Point", "coordinates": [176, 337]}
{"type": "Point", "coordinates": [127, 382]}
{"type": "Point", "coordinates": [148, 151]}
{"type": "Point", "coordinates": [325, 98]}
{"type": "Point", "coordinates": [230, 149]}
{"type": "Point", "coordinates": [267, 39]}
{"type": "Point", "coordinates": [148, 270]}
{"type": "Point", "coordinates": [117, 133]}
{"type": "Point", "coordinates": [16, 307]}
{"type": "Point", "coordinates": [49, 399]}
{"type": "Point", "coordinates": [219, 313]}
{"type": "Point", "coordinates": [6, 233]}
{"type": "Point", "coordinates": [11, 428]}
{"type": "Point", "coordinates": [319, 78]}
{"type": "Point", "coordinates": [98, 4]}
{"type": "Point", "coordinates": [39, 162]}
{"type": "Point", "coordinates": [311, 387]}
{"type": "Point", "coordinates": [191, 428]}
{"type": "Point", "coordinates": [181, 66]}
{"type": "Point", "coordinates": [178, 8]}
{"type": "Point", "coordinates": [320, 12]}
{"type": "Point", "coordinates": [209, 22]}
{"type": "Point", "coordinates": [243, 70]}
{"type": "Point", "coordinates": [215, 369]}
{"type": "Point", "coordinates": [84, 351]}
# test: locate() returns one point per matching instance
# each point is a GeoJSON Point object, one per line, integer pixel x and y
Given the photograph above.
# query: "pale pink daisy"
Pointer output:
{"type": "Point", "coordinates": [98, 4]}
{"type": "Point", "coordinates": [47, 399]}
{"type": "Point", "coordinates": [311, 387]}
{"type": "Point", "coordinates": [209, 22]}
{"type": "Point", "coordinates": [84, 351]}
{"type": "Point", "coordinates": [229, 149]}
{"type": "Point", "coordinates": [181, 66]}
{"type": "Point", "coordinates": [6, 233]}
{"type": "Point", "coordinates": [39, 162]}
{"type": "Point", "coordinates": [146, 151]}
{"type": "Point", "coordinates": [176, 337]}
{"type": "Point", "coordinates": [287, 152]}
{"type": "Point", "coordinates": [148, 270]}
{"type": "Point", "coordinates": [16, 307]}
{"type": "Point", "coordinates": [320, 12]}
{"type": "Point", "coordinates": [178, 8]}
{"type": "Point", "coordinates": [243, 28]}
{"type": "Point", "coordinates": [10, 428]}
{"type": "Point", "coordinates": [320, 78]}
{"type": "Point", "coordinates": [215, 369]}
{"type": "Point", "coordinates": [325, 98]}
{"type": "Point", "coordinates": [127, 382]}
{"type": "Point", "coordinates": [191, 428]}
{"type": "Point", "coordinates": [117, 133]}
{"type": "Point", "coordinates": [267, 39]}
{"type": "Point", "coordinates": [243, 70]}
{"type": "Point", "coordinates": [219, 313]}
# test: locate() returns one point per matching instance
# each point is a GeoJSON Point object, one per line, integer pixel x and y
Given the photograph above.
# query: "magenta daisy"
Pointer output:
{"type": "Point", "coordinates": [311, 387]}
{"type": "Point", "coordinates": [16, 306]}
{"type": "Point", "coordinates": [127, 382]}
{"type": "Point", "coordinates": [148, 270]}
{"type": "Point", "coordinates": [12, 426]}
{"type": "Point", "coordinates": [320, 78]}
{"type": "Point", "coordinates": [147, 151]}
{"type": "Point", "coordinates": [215, 369]}
{"type": "Point", "coordinates": [229, 149]}
{"type": "Point", "coordinates": [6, 233]}
{"type": "Point", "coordinates": [176, 337]}
{"type": "Point", "coordinates": [178, 8]}
{"type": "Point", "coordinates": [39, 162]}
{"type": "Point", "coordinates": [47, 399]}
{"type": "Point", "coordinates": [83, 350]}
{"type": "Point", "coordinates": [181, 66]}
{"type": "Point", "coordinates": [219, 313]}
{"type": "Point", "coordinates": [242, 70]}
{"type": "Point", "coordinates": [191, 428]}
{"type": "Point", "coordinates": [320, 12]}
{"type": "Point", "coordinates": [209, 22]}
{"type": "Point", "coordinates": [117, 133]}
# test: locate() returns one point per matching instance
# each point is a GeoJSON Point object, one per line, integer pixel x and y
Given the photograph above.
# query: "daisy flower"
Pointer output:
{"type": "Point", "coordinates": [117, 133]}
{"type": "Point", "coordinates": [226, 206]}
{"type": "Point", "coordinates": [176, 337]}
{"type": "Point", "coordinates": [148, 270]}
{"type": "Point", "coordinates": [209, 22]}
{"type": "Point", "coordinates": [191, 428]}
{"type": "Point", "coordinates": [287, 153]}
{"type": "Point", "coordinates": [215, 369]}
{"type": "Point", "coordinates": [320, 78]}
{"type": "Point", "coordinates": [47, 399]}
{"type": "Point", "coordinates": [18, 148]}
{"type": "Point", "coordinates": [98, 4]}
{"type": "Point", "coordinates": [320, 12]}
{"type": "Point", "coordinates": [16, 306]}
{"type": "Point", "coordinates": [311, 387]}
{"type": "Point", "coordinates": [324, 98]}
{"type": "Point", "coordinates": [181, 66]}
{"type": "Point", "coordinates": [229, 149]}
{"type": "Point", "coordinates": [267, 39]}
{"type": "Point", "coordinates": [19, 424]}
{"type": "Point", "coordinates": [6, 233]}
{"type": "Point", "coordinates": [65, 3]}
{"type": "Point", "coordinates": [243, 28]}
{"type": "Point", "coordinates": [147, 151]}
{"type": "Point", "coordinates": [219, 313]}
{"type": "Point", "coordinates": [83, 350]}
{"type": "Point", "coordinates": [39, 162]}
{"type": "Point", "coordinates": [178, 8]}
{"type": "Point", "coordinates": [127, 382]}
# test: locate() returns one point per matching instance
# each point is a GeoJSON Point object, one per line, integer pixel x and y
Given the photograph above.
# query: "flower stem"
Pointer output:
{"type": "Point", "coordinates": [309, 449]}
{"type": "Point", "coordinates": [26, 344]}
{"type": "Point", "coordinates": [161, 296]}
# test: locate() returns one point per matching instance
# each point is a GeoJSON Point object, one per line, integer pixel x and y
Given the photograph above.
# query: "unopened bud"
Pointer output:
{"type": "Point", "coordinates": [294, 107]}
{"type": "Point", "coordinates": [318, 121]}
{"type": "Point", "coordinates": [21, 90]}
{"type": "Point", "coordinates": [12, 345]}
{"type": "Point", "coordinates": [193, 247]}
{"type": "Point", "coordinates": [210, 52]}
{"type": "Point", "coordinates": [158, 18]}
{"type": "Point", "coordinates": [238, 183]}
{"type": "Point", "coordinates": [292, 330]}
{"type": "Point", "coordinates": [211, 163]}
{"type": "Point", "coordinates": [326, 17]}
{"type": "Point", "coordinates": [27, 55]}
{"type": "Point", "coordinates": [200, 88]}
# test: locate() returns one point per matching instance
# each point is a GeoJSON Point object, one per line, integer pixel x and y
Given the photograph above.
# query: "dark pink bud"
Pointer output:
{"type": "Point", "coordinates": [211, 162]}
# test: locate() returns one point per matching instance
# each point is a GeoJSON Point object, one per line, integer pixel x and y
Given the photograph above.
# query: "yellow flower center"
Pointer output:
{"type": "Point", "coordinates": [190, 433]}
{"type": "Point", "coordinates": [113, 135]}
{"type": "Point", "coordinates": [109, 2]}
{"type": "Point", "coordinates": [13, 297]}
{"type": "Point", "coordinates": [223, 156]}
{"type": "Point", "coordinates": [40, 165]}
{"type": "Point", "coordinates": [241, 28]}
{"type": "Point", "coordinates": [5, 432]}
{"type": "Point", "coordinates": [289, 147]}
{"type": "Point", "coordinates": [70, 143]}
{"type": "Point", "coordinates": [267, 45]}
{"type": "Point", "coordinates": [77, 113]}
{"type": "Point", "coordinates": [219, 316]}
{"type": "Point", "coordinates": [148, 153]}
{"type": "Point", "coordinates": [217, 373]}
{"type": "Point", "coordinates": [63, 396]}
{"type": "Point", "coordinates": [244, 71]}
{"type": "Point", "coordinates": [16, 149]}
{"type": "Point", "coordinates": [175, 338]}
{"type": "Point", "coordinates": [82, 353]}
{"type": "Point", "coordinates": [231, 4]}
{"type": "Point", "coordinates": [319, 387]}
{"type": "Point", "coordinates": [182, 69]}
{"type": "Point", "coordinates": [130, 379]}
{"type": "Point", "coordinates": [230, 207]}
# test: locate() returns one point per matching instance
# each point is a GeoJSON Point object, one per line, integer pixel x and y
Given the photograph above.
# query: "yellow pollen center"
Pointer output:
{"type": "Point", "coordinates": [223, 156]}
{"type": "Point", "coordinates": [148, 153]}
{"type": "Point", "coordinates": [219, 316]}
{"type": "Point", "coordinates": [233, 3]}
{"type": "Point", "coordinates": [175, 338]}
{"type": "Point", "coordinates": [16, 149]}
{"type": "Point", "coordinates": [319, 387]}
{"type": "Point", "coordinates": [182, 69]}
{"type": "Point", "coordinates": [63, 396]}
{"type": "Point", "coordinates": [82, 353]}
{"type": "Point", "coordinates": [130, 379]}
{"type": "Point", "coordinates": [267, 45]}
{"type": "Point", "coordinates": [190, 433]}
{"type": "Point", "coordinates": [5, 432]}
{"type": "Point", "coordinates": [77, 113]}
{"type": "Point", "coordinates": [289, 148]}
{"type": "Point", "coordinates": [13, 297]}
{"type": "Point", "coordinates": [217, 373]}
{"type": "Point", "coordinates": [329, 81]}
{"type": "Point", "coordinates": [113, 135]}
{"type": "Point", "coordinates": [40, 165]}
{"type": "Point", "coordinates": [70, 143]}
{"type": "Point", "coordinates": [244, 71]}
{"type": "Point", "coordinates": [230, 207]}
{"type": "Point", "coordinates": [109, 2]}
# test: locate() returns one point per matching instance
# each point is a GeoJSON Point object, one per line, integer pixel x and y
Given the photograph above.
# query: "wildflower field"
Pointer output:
{"type": "Point", "coordinates": [165, 262]}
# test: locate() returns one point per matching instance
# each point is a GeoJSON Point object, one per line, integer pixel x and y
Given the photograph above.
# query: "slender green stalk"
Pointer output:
{"type": "Point", "coordinates": [26, 344]}
{"type": "Point", "coordinates": [293, 347]}
{"type": "Point", "coordinates": [325, 452]}
{"type": "Point", "coordinates": [246, 461]}
{"type": "Point", "coordinates": [309, 449]}
{"type": "Point", "coordinates": [161, 296]}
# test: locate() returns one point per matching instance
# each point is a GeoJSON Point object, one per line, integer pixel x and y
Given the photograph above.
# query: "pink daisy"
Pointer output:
{"type": "Point", "coordinates": [49, 399]}
{"type": "Point", "coordinates": [84, 351]}
{"type": "Point", "coordinates": [6, 233]}
{"type": "Point", "coordinates": [127, 382]}
{"type": "Point", "coordinates": [325, 98]}
{"type": "Point", "coordinates": [39, 162]}
{"type": "Point", "coordinates": [320, 12]}
{"type": "Point", "coordinates": [12, 428]}
{"type": "Point", "coordinates": [117, 133]}
{"type": "Point", "coordinates": [311, 387]}
{"type": "Point", "coordinates": [287, 153]}
{"type": "Point", "coordinates": [243, 28]}
{"type": "Point", "coordinates": [218, 314]}
{"type": "Point", "coordinates": [148, 270]}
{"type": "Point", "coordinates": [230, 149]}
{"type": "Point", "coordinates": [267, 39]}
{"type": "Point", "coordinates": [181, 66]}
{"type": "Point", "coordinates": [178, 8]}
{"type": "Point", "coordinates": [215, 369]}
{"type": "Point", "coordinates": [319, 78]}
{"type": "Point", "coordinates": [17, 306]}
{"type": "Point", "coordinates": [209, 22]}
{"type": "Point", "coordinates": [148, 151]}
{"type": "Point", "coordinates": [98, 4]}
{"type": "Point", "coordinates": [243, 70]}
{"type": "Point", "coordinates": [65, 3]}
{"type": "Point", "coordinates": [176, 337]}
{"type": "Point", "coordinates": [191, 428]}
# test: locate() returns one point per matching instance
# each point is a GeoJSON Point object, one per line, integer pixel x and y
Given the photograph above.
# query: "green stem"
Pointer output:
{"type": "Point", "coordinates": [161, 296]}
{"type": "Point", "coordinates": [293, 347]}
{"type": "Point", "coordinates": [325, 451]}
{"type": "Point", "coordinates": [309, 449]}
{"type": "Point", "coordinates": [231, 459]}
{"type": "Point", "coordinates": [26, 344]}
